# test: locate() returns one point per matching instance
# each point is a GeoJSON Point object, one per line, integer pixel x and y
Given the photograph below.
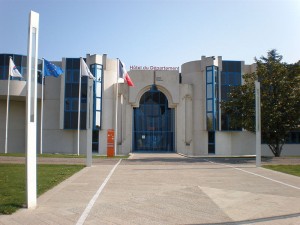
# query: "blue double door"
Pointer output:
{"type": "Point", "coordinates": [153, 124]}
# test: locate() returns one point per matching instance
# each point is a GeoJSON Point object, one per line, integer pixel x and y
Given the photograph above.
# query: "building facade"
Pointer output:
{"type": "Point", "coordinates": [166, 111]}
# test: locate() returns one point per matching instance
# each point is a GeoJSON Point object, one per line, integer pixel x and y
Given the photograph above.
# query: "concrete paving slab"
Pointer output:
{"type": "Point", "coordinates": [169, 189]}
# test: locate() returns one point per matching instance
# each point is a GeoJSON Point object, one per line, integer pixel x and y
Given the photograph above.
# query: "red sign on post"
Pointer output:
{"type": "Point", "coordinates": [110, 143]}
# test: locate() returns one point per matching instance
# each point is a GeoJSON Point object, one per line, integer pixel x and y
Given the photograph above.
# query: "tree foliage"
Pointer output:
{"type": "Point", "coordinates": [280, 100]}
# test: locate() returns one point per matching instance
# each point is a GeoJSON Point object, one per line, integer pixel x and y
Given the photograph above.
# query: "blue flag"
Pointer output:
{"type": "Point", "coordinates": [51, 70]}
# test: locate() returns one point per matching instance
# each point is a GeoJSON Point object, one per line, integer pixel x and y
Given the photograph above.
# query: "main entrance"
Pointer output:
{"type": "Point", "coordinates": [153, 123]}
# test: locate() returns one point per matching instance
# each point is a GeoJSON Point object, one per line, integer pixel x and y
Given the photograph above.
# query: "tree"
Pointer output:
{"type": "Point", "coordinates": [280, 100]}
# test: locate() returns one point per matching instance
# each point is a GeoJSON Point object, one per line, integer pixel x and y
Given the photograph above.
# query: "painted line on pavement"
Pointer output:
{"type": "Point", "coordinates": [255, 174]}
{"type": "Point", "coordinates": [88, 208]}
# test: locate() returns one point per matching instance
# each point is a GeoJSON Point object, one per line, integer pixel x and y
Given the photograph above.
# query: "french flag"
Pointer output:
{"type": "Point", "coordinates": [123, 74]}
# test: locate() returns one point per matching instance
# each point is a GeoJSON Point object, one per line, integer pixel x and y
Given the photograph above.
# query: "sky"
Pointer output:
{"type": "Point", "coordinates": [154, 32]}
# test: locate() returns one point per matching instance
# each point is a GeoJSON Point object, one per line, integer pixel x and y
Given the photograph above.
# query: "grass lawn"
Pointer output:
{"type": "Point", "coordinates": [290, 169]}
{"type": "Point", "coordinates": [12, 183]}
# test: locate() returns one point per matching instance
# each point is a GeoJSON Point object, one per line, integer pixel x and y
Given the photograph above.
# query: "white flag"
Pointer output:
{"type": "Point", "coordinates": [13, 71]}
{"type": "Point", "coordinates": [85, 70]}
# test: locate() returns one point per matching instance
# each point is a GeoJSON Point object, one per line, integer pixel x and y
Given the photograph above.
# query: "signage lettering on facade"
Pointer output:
{"type": "Point", "coordinates": [154, 67]}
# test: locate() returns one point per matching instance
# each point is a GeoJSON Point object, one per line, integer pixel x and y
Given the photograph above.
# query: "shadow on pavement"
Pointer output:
{"type": "Point", "coordinates": [252, 221]}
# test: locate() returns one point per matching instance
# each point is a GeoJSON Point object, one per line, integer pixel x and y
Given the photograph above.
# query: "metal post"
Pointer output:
{"type": "Point", "coordinates": [89, 136]}
{"type": "Point", "coordinates": [116, 113]}
{"type": "Point", "coordinates": [258, 124]}
{"type": "Point", "coordinates": [31, 110]}
{"type": "Point", "coordinates": [79, 105]}
{"type": "Point", "coordinates": [7, 111]}
{"type": "Point", "coordinates": [42, 109]}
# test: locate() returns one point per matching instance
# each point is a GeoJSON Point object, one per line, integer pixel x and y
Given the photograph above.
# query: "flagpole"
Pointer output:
{"type": "Point", "coordinates": [7, 109]}
{"type": "Point", "coordinates": [42, 108]}
{"type": "Point", "coordinates": [116, 114]}
{"type": "Point", "coordinates": [79, 101]}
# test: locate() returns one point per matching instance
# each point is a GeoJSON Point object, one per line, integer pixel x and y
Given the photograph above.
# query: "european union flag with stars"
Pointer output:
{"type": "Point", "coordinates": [51, 70]}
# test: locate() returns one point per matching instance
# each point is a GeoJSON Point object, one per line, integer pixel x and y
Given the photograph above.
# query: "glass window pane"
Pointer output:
{"type": "Point", "coordinates": [84, 79]}
{"type": "Point", "coordinates": [83, 120]}
{"type": "Point", "coordinates": [148, 98]}
{"type": "Point", "coordinates": [76, 63]}
{"type": "Point", "coordinates": [75, 90]}
{"type": "Point", "coordinates": [293, 137]}
{"type": "Point", "coordinates": [238, 67]}
{"type": "Point", "coordinates": [24, 61]}
{"type": "Point", "coordinates": [209, 105]}
{"type": "Point", "coordinates": [1, 71]}
{"type": "Point", "coordinates": [209, 91]}
{"type": "Point", "coordinates": [83, 105]}
{"type": "Point", "coordinates": [223, 78]}
{"type": "Point", "coordinates": [6, 58]}
{"type": "Point", "coordinates": [99, 74]}
{"type": "Point", "coordinates": [216, 75]}
{"type": "Point", "coordinates": [74, 120]}
{"type": "Point", "coordinates": [209, 121]}
{"type": "Point", "coordinates": [83, 91]}
{"type": "Point", "coordinates": [216, 92]}
{"type": "Point", "coordinates": [67, 121]}
{"type": "Point", "coordinates": [75, 76]}
{"type": "Point", "coordinates": [67, 104]}
{"type": "Point", "coordinates": [224, 122]}
{"type": "Point", "coordinates": [162, 99]}
{"type": "Point", "coordinates": [24, 73]}
{"type": "Point", "coordinates": [155, 97]}
{"type": "Point", "coordinates": [142, 100]}
{"type": "Point", "coordinates": [211, 137]}
{"type": "Point", "coordinates": [224, 92]}
{"type": "Point", "coordinates": [17, 60]}
{"type": "Point", "coordinates": [1, 59]}
{"type": "Point", "coordinates": [209, 77]}
{"type": "Point", "coordinates": [68, 90]}
{"type": "Point", "coordinates": [211, 148]}
{"type": "Point", "coordinates": [6, 72]}
{"type": "Point", "coordinates": [231, 78]}
{"type": "Point", "coordinates": [97, 115]}
{"type": "Point", "coordinates": [68, 76]}
{"type": "Point", "coordinates": [75, 104]}
{"type": "Point", "coordinates": [98, 104]}
{"type": "Point", "coordinates": [98, 89]}
{"type": "Point", "coordinates": [68, 63]}
{"type": "Point", "coordinates": [237, 79]}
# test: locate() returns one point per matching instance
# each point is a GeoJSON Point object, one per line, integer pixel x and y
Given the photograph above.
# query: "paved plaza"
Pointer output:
{"type": "Point", "coordinates": [168, 189]}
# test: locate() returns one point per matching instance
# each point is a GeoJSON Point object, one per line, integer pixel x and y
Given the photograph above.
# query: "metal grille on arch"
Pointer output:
{"type": "Point", "coordinates": [153, 123]}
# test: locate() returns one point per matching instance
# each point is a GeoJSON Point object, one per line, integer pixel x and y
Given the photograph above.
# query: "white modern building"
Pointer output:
{"type": "Point", "coordinates": [166, 110]}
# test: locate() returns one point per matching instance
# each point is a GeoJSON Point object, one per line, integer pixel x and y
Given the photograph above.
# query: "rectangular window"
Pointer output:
{"type": "Point", "coordinates": [209, 91]}
{"type": "Point", "coordinates": [95, 141]}
{"type": "Point", "coordinates": [211, 142]}
{"type": "Point", "coordinates": [293, 138]}
{"type": "Point", "coordinates": [1, 72]}
{"type": "Point", "coordinates": [209, 106]}
{"type": "Point", "coordinates": [209, 77]}
{"type": "Point", "coordinates": [212, 97]}
{"type": "Point", "coordinates": [98, 104]}
{"type": "Point", "coordinates": [231, 76]}
{"type": "Point", "coordinates": [209, 121]}
{"type": "Point", "coordinates": [21, 64]}
{"type": "Point", "coordinates": [212, 105]}
{"type": "Point", "coordinates": [97, 71]}
{"type": "Point", "coordinates": [72, 96]}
